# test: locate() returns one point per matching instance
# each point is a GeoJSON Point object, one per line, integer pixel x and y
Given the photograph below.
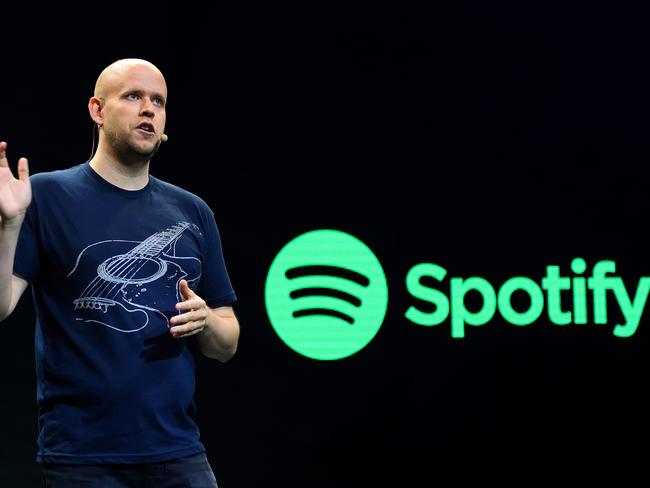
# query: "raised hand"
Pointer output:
{"type": "Point", "coordinates": [15, 193]}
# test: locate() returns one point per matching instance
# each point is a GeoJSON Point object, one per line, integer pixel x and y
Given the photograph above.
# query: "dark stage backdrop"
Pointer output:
{"type": "Point", "coordinates": [487, 162]}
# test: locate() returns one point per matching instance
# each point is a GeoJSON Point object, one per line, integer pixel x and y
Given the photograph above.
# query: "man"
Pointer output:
{"type": "Point", "coordinates": [125, 270]}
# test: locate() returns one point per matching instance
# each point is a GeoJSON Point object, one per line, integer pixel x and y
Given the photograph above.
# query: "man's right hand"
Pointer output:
{"type": "Point", "coordinates": [15, 193]}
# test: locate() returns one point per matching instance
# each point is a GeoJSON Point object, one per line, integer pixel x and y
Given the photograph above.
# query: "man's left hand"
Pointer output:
{"type": "Point", "coordinates": [194, 318]}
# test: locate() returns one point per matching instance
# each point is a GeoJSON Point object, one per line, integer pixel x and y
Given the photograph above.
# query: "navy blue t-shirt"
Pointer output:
{"type": "Point", "coordinates": [104, 263]}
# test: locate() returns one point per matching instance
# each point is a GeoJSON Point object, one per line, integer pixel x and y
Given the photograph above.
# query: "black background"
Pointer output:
{"type": "Point", "coordinates": [491, 139]}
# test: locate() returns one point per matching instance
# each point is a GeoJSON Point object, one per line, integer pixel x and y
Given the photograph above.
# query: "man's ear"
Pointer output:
{"type": "Point", "coordinates": [95, 108]}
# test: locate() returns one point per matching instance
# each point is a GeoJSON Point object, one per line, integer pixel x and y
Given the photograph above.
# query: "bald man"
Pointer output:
{"type": "Point", "coordinates": [125, 270]}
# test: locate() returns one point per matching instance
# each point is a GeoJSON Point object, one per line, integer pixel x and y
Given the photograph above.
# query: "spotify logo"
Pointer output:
{"type": "Point", "coordinates": [326, 294]}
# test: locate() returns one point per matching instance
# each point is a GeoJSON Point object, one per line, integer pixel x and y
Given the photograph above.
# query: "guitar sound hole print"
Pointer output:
{"type": "Point", "coordinates": [135, 282]}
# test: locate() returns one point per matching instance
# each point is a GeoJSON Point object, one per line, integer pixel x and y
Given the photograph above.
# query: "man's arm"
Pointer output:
{"type": "Point", "coordinates": [17, 288]}
{"type": "Point", "coordinates": [15, 196]}
{"type": "Point", "coordinates": [8, 240]}
{"type": "Point", "coordinates": [219, 338]}
{"type": "Point", "coordinates": [216, 329]}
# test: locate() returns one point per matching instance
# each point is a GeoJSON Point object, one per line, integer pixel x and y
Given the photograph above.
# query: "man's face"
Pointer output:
{"type": "Point", "coordinates": [134, 109]}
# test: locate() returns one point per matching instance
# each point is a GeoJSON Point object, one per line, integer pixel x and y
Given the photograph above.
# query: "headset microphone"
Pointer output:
{"type": "Point", "coordinates": [163, 137]}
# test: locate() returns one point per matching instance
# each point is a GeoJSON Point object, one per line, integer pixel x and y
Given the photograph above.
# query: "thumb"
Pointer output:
{"type": "Point", "coordinates": [23, 169]}
{"type": "Point", "coordinates": [185, 289]}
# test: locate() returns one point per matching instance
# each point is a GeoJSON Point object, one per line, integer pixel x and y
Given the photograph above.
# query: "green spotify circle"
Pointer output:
{"type": "Point", "coordinates": [326, 294]}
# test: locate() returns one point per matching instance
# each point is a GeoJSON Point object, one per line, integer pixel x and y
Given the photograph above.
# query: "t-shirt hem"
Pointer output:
{"type": "Point", "coordinates": [60, 458]}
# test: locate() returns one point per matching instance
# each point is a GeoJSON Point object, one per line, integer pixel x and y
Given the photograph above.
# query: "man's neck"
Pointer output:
{"type": "Point", "coordinates": [126, 176]}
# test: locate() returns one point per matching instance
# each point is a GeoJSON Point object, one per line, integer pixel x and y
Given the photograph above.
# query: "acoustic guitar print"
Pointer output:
{"type": "Point", "coordinates": [137, 284]}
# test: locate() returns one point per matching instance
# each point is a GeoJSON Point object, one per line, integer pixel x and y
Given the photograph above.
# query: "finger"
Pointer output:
{"type": "Point", "coordinates": [187, 329]}
{"type": "Point", "coordinates": [186, 317]}
{"type": "Point", "coordinates": [186, 291]}
{"type": "Point", "coordinates": [23, 169]}
{"type": "Point", "coordinates": [183, 336]}
{"type": "Point", "coordinates": [3, 155]}
{"type": "Point", "coordinates": [193, 304]}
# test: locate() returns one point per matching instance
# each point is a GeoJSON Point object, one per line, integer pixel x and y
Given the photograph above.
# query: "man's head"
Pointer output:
{"type": "Point", "coordinates": [128, 106]}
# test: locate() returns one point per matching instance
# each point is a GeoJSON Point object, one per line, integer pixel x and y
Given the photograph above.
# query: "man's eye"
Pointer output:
{"type": "Point", "coordinates": [132, 96]}
{"type": "Point", "coordinates": [159, 101]}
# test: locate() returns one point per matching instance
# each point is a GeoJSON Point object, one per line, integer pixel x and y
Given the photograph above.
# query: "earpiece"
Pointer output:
{"type": "Point", "coordinates": [163, 137]}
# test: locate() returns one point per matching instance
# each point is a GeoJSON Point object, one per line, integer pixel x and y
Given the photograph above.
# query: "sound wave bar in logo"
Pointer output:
{"type": "Point", "coordinates": [326, 294]}
{"type": "Point", "coordinates": [337, 294]}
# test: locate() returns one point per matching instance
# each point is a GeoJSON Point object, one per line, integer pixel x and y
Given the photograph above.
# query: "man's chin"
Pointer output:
{"type": "Point", "coordinates": [146, 150]}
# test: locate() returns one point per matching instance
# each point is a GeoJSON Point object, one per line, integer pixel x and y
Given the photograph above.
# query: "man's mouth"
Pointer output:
{"type": "Point", "coordinates": [146, 127]}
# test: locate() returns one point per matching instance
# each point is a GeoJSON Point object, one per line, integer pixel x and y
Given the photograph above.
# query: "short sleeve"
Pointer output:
{"type": "Point", "coordinates": [215, 286]}
{"type": "Point", "coordinates": [26, 261]}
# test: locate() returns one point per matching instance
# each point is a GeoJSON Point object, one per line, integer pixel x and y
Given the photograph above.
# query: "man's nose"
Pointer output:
{"type": "Point", "coordinates": [147, 110]}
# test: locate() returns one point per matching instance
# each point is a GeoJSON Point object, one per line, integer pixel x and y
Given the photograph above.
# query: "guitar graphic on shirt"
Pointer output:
{"type": "Point", "coordinates": [136, 285]}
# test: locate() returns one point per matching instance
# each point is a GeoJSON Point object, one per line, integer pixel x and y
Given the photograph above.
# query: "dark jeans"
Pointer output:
{"type": "Point", "coordinates": [187, 472]}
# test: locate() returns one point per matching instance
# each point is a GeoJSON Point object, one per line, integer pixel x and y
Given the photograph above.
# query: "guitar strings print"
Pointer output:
{"type": "Point", "coordinates": [132, 287]}
{"type": "Point", "coordinates": [138, 255]}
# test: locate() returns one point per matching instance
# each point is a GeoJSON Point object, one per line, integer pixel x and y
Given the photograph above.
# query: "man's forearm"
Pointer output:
{"type": "Point", "coordinates": [9, 231]}
{"type": "Point", "coordinates": [221, 334]}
